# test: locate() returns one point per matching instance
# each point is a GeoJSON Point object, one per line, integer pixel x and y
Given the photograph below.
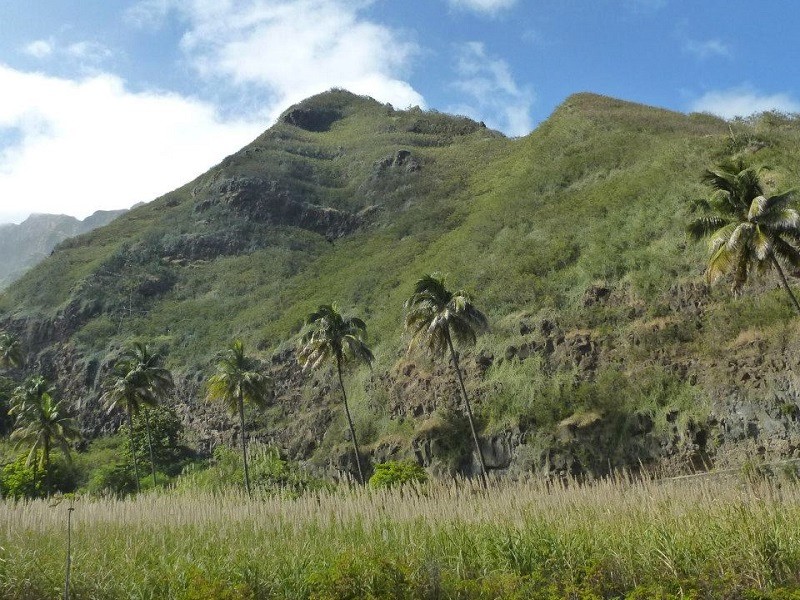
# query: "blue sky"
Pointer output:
{"type": "Point", "coordinates": [107, 103]}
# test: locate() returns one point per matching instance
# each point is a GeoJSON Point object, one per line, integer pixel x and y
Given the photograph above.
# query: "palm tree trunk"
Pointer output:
{"type": "Point", "coordinates": [46, 461]}
{"type": "Point", "coordinates": [35, 470]}
{"type": "Point", "coordinates": [150, 444]}
{"type": "Point", "coordinates": [350, 423]}
{"type": "Point", "coordinates": [133, 453]}
{"type": "Point", "coordinates": [469, 411]}
{"type": "Point", "coordinates": [784, 282]}
{"type": "Point", "coordinates": [244, 446]}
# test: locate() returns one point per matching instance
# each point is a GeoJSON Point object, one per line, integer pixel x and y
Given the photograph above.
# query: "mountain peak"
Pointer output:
{"type": "Point", "coordinates": [317, 113]}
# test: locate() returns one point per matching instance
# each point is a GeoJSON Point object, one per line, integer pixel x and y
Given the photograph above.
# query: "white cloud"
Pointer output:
{"type": "Point", "coordinates": [86, 51]}
{"type": "Point", "coordinates": [742, 102]}
{"type": "Point", "coordinates": [491, 93]}
{"type": "Point", "coordinates": [74, 146]}
{"type": "Point", "coordinates": [79, 146]}
{"type": "Point", "coordinates": [707, 49]}
{"type": "Point", "coordinates": [39, 49]}
{"type": "Point", "coordinates": [291, 49]}
{"type": "Point", "coordinates": [149, 14]}
{"type": "Point", "coordinates": [489, 7]}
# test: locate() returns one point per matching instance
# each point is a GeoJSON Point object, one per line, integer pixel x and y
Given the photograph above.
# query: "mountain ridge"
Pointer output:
{"type": "Point", "coordinates": [25, 244]}
{"type": "Point", "coordinates": [604, 343]}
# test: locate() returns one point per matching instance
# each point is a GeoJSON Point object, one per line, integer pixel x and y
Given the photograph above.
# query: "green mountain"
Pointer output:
{"type": "Point", "coordinates": [28, 243]}
{"type": "Point", "coordinates": [606, 347]}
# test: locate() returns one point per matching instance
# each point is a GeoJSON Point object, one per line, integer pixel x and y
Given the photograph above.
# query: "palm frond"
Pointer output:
{"type": "Point", "coordinates": [705, 226]}
{"type": "Point", "coordinates": [331, 336]}
{"type": "Point", "coordinates": [786, 252]}
{"type": "Point", "coordinates": [719, 263]}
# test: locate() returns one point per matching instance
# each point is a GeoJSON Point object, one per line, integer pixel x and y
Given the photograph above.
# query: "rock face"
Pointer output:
{"type": "Point", "coordinates": [268, 202]}
{"type": "Point", "coordinates": [312, 119]}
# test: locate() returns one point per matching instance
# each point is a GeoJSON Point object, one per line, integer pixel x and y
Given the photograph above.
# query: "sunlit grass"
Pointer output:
{"type": "Point", "coordinates": [707, 538]}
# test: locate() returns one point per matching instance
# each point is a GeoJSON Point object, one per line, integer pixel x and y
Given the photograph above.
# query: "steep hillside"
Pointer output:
{"type": "Point", "coordinates": [28, 243]}
{"type": "Point", "coordinates": [606, 347]}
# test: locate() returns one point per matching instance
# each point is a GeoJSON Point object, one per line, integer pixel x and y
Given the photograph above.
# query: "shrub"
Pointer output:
{"type": "Point", "coordinates": [269, 473]}
{"type": "Point", "coordinates": [17, 480]}
{"type": "Point", "coordinates": [395, 472]}
{"type": "Point", "coordinates": [115, 479]}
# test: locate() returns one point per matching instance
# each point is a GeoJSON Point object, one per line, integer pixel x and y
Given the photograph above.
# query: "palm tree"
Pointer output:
{"type": "Point", "coordinates": [138, 381]}
{"type": "Point", "coordinates": [747, 229]}
{"type": "Point", "coordinates": [24, 400]}
{"type": "Point", "coordinates": [10, 351]}
{"type": "Point", "coordinates": [434, 315]}
{"type": "Point", "coordinates": [237, 381]}
{"type": "Point", "coordinates": [43, 423]}
{"type": "Point", "coordinates": [331, 337]}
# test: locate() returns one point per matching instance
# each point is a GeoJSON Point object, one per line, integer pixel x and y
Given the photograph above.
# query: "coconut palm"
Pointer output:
{"type": "Point", "coordinates": [434, 316]}
{"type": "Point", "coordinates": [42, 422]}
{"type": "Point", "coordinates": [331, 337]}
{"type": "Point", "coordinates": [747, 229]}
{"type": "Point", "coordinates": [10, 351]}
{"type": "Point", "coordinates": [24, 399]}
{"type": "Point", "coordinates": [138, 381]}
{"type": "Point", "coordinates": [238, 380]}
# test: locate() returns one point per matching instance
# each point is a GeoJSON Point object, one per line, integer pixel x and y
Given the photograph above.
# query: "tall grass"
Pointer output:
{"type": "Point", "coordinates": [705, 538]}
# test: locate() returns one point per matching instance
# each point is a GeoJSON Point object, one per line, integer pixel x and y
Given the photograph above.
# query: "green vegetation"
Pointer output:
{"type": "Point", "coordinates": [237, 381]}
{"type": "Point", "coordinates": [714, 538]}
{"type": "Point", "coordinates": [334, 338]}
{"type": "Point", "coordinates": [434, 316]}
{"type": "Point", "coordinates": [42, 423]}
{"type": "Point", "coordinates": [572, 240]}
{"type": "Point", "coordinates": [10, 351]}
{"type": "Point", "coordinates": [605, 352]}
{"type": "Point", "coordinates": [748, 230]}
{"type": "Point", "coordinates": [137, 384]}
{"type": "Point", "coordinates": [394, 473]}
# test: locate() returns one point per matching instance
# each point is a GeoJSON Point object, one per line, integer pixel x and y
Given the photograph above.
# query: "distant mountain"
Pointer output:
{"type": "Point", "coordinates": [24, 245]}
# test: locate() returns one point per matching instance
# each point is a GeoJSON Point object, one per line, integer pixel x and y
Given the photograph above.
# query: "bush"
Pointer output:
{"type": "Point", "coordinates": [166, 432]}
{"type": "Point", "coordinates": [269, 473]}
{"type": "Point", "coordinates": [395, 472]}
{"type": "Point", "coordinates": [116, 479]}
{"type": "Point", "coordinates": [17, 480]}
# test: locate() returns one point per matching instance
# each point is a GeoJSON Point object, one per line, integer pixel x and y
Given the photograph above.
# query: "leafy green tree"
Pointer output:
{"type": "Point", "coordinates": [43, 423]}
{"type": "Point", "coordinates": [137, 382]}
{"type": "Point", "coordinates": [238, 380]}
{"type": "Point", "coordinates": [434, 316]}
{"type": "Point", "coordinates": [18, 480]}
{"type": "Point", "coordinates": [166, 438]}
{"type": "Point", "coordinates": [747, 229]}
{"type": "Point", "coordinates": [10, 351]}
{"type": "Point", "coordinates": [331, 337]}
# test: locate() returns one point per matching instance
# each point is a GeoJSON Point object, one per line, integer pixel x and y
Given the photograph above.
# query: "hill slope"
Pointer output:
{"type": "Point", "coordinates": [606, 348]}
{"type": "Point", "coordinates": [28, 243]}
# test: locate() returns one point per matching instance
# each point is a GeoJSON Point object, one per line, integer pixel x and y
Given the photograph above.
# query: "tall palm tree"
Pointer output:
{"type": "Point", "coordinates": [43, 422]}
{"type": "Point", "coordinates": [238, 380]}
{"type": "Point", "coordinates": [24, 400]}
{"type": "Point", "coordinates": [434, 316]}
{"type": "Point", "coordinates": [10, 351]}
{"type": "Point", "coordinates": [138, 381]}
{"type": "Point", "coordinates": [747, 229]}
{"type": "Point", "coordinates": [331, 337]}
